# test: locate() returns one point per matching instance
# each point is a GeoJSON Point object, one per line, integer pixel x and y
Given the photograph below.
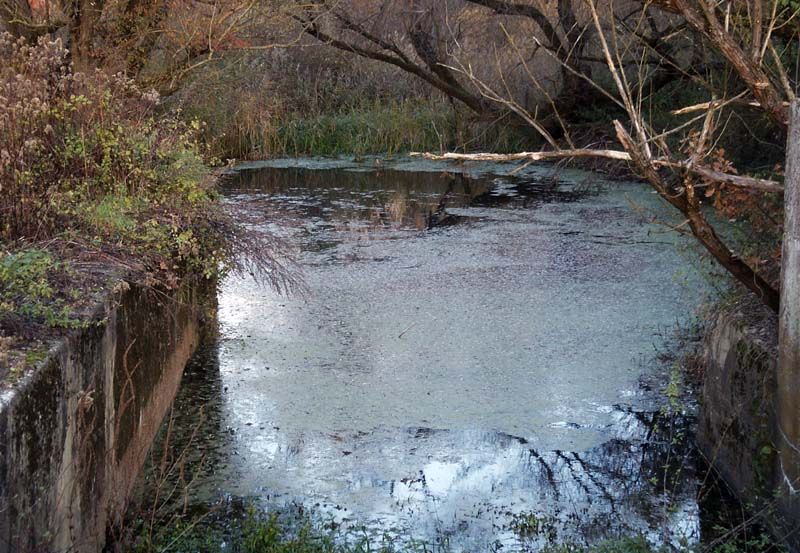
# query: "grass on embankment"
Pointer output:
{"type": "Point", "coordinates": [254, 125]}
{"type": "Point", "coordinates": [323, 102]}
{"type": "Point", "coordinates": [397, 127]}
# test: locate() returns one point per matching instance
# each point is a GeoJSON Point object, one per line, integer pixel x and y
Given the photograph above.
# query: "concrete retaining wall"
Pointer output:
{"type": "Point", "coordinates": [75, 433]}
{"type": "Point", "coordinates": [738, 430]}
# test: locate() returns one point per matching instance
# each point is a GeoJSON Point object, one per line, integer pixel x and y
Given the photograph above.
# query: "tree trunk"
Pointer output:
{"type": "Point", "coordinates": [83, 15]}
{"type": "Point", "coordinates": [788, 402]}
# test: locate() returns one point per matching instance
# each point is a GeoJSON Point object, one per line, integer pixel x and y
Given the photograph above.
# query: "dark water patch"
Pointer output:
{"type": "Point", "coordinates": [332, 200]}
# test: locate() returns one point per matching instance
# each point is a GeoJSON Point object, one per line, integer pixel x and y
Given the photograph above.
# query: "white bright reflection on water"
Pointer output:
{"type": "Point", "coordinates": [519, 331]}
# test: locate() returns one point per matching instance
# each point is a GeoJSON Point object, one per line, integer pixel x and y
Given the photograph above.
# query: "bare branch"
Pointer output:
{"type": "Point", "coordinates": [528, 156]}
{"type": "Point", "coordinates": [762, 185]}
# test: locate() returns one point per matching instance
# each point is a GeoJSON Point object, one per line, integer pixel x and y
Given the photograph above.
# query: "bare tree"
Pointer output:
{"type": "Point", "coordinates": [423, 48]}
{"type": "Point", "coordinates": [427, 39]}
{"type": "Point", "coordinates": [125, 35]}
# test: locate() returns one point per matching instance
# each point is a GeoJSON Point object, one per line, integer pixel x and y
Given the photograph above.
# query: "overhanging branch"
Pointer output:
{"type": "Point", "coordinates": [739, 181]}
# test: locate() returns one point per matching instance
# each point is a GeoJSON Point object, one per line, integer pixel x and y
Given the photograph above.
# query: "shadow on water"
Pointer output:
{"type": "Point", "coordinates": [250, 430]}
{"type": "Point", "coordinates": [194, 436]}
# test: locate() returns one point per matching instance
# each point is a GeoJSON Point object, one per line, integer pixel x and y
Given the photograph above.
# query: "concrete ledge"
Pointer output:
{"type": "Point", "coordinates": [75, 432]}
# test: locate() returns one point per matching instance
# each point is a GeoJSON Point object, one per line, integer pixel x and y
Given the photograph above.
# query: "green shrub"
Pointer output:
{"type": "Point", "coordinates": [26, 289]}
{"type": "Point", "coordinates": [90, 168]}
{"type": "Point", "coordinates": [90, 153]}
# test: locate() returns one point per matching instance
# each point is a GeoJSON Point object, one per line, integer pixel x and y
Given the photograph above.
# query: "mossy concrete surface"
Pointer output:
{"type": "Point", "coordinates": [738, 430]}
{"type": "Point", "coordinates": [74, 433]}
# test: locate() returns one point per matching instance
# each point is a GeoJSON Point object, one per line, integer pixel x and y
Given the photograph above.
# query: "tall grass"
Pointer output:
{"type": "Point", "coordinates": [391, 128]}
{"type": "Point", "coordinates": [304, 105]}
{"type": "Point", "coordinates": [417, 124]}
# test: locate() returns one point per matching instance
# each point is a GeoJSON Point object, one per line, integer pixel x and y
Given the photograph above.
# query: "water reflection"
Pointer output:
{"type": "Point", "coordinates": [361, 201]}
{"type": "Point", "coordinates": [471, 489]}
{"type": "Point", "coordinates": [194, 443]}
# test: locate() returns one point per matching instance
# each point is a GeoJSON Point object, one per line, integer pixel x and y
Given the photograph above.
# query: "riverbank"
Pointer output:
{"type": "Point", "coordinates": [738, 429]}
{"type": "Point", "coordinates": [97, 187]}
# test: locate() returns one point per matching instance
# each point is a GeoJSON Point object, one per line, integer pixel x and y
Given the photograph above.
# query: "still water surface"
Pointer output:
{"type": "Point", "coordinates": [474, 362]}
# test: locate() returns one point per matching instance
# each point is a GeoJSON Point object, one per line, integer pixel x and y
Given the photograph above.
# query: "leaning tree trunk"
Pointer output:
{"type": "Point", "coordinates": [788, 402]}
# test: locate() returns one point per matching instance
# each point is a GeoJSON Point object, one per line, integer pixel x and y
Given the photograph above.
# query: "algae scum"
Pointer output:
{"type": "Point", "coordinates": [473, 364]}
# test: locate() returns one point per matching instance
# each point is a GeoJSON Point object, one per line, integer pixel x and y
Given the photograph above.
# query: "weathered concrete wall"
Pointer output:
{"type": "Point", "coordinates": [738, 430]}
{"type": "Point", "coordinates": [74, 434]}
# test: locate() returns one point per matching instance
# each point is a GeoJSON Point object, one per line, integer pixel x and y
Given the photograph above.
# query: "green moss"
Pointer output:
{"type": "Point", "coordinates": [35, 356]}
{"type": "Point", "coordinates": [621, 545]}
